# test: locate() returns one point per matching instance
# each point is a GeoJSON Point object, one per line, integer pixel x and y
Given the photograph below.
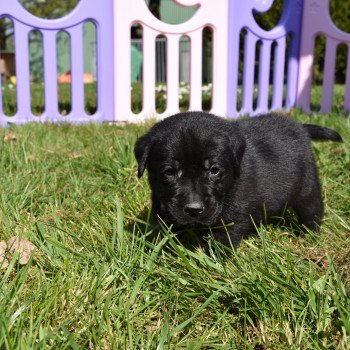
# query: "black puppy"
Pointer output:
{"type": "Point", "coordinates": [208, 170]}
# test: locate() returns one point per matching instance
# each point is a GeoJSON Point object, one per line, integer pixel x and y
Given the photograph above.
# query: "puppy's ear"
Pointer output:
{"type": "Point", "coordinates": [238, 146]}
{"type": "Point", "coordinates": [141, 151]}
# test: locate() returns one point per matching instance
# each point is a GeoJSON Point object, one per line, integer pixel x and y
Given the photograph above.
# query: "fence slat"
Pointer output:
{"type": "Point", "coordinates": [196, 70]}
{"type": "Point", "coordinates": [278, 76]}
{"type": "Point", "coordinates": [347, 84]}
{"type": "Point", "coordinates": [76, 34]}
{"type": "Point", "coordinates": [248, 73]}
{"type": "Point", "coordinates": [149, 71]}
{"type": "Point", "coordinates": [173, 74]}
{"type": "Point", "coordinates": [50, 74]}
{"type": "Point", "coordinates": [264, 76]}
{"type": "Point", "coordinates": [233, 68]}
{"type": "Point", "coordinates": [22, 71]}
{"type": "Point", "coordinates": [293, 66]}
{"type": "Point", "coordinates": [328, 75]}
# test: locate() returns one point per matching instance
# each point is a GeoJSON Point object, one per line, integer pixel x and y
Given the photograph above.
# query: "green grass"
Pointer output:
{"type": "Point", "coordinates": [103, 277]}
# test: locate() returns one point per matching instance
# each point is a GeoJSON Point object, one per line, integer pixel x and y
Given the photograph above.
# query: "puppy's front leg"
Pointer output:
{"type": "Point", "coordinates": [232, 236]}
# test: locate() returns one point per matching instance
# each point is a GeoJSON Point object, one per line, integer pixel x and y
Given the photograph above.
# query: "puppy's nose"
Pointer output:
{"type": "Point", "coordinates": [194, 208]}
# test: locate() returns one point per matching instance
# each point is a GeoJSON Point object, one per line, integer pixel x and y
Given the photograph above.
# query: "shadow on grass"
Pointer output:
{"type": "Point", "coordinates": [192, 238]}
{"type": "Point", "coordinates": [196, 237]}
{"type": "Point", "coordinates": [201, 237]}
{"type": "Point", "coordinates": [146, 225]}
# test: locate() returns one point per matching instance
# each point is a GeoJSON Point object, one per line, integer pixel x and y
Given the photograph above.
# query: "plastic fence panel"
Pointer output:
{"type": "Point", "coordinates": [272, 44]}
{"type": "Point", "coordinates": [211, 14]}
{"type": "Point", "coordinates": [317, 21]}
{"type": "Point", "coordinates": [101, 14]}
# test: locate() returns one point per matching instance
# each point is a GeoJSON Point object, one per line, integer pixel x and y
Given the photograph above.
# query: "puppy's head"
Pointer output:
{"type": "Point", "coordinates": [193, 160]}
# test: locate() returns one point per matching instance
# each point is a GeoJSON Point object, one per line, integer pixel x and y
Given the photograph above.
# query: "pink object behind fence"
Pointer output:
{"type": "Point", "coordinates": [317, 21]}
{"type": "Point", "coordinates": [101, 14]}
{"type": "Point", "coordinates": [209, 13]}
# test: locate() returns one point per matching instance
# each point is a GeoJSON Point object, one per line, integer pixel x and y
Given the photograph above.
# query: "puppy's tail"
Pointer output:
{"type": "Point", "coordinates": [321, 133]}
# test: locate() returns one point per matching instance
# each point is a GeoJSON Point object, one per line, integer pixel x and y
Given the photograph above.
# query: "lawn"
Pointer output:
{"type": "Point", "coordinates": [103, 276]}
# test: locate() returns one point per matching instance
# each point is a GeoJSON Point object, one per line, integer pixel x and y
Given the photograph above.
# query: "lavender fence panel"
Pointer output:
{"type": "Point", "coordinates": [317, 21]}
{"type": "Point", "coordinates": [101, 14]}
{"type": "Point", "coordinates": [241, 18]}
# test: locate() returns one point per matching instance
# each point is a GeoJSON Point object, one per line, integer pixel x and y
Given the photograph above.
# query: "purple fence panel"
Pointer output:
{"type": "Point", "coordinates": [98, 12]}
{"type": "Point", "coordinates": [241, 18]}
{"type": "Point", "coordinates": [317, 21]}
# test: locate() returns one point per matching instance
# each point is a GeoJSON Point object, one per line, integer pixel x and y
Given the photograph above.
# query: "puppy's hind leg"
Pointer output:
{"type": "Point", "coordinates": [309, 209]}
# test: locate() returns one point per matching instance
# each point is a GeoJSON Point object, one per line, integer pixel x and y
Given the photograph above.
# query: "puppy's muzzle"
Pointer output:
{"type": "Point", "coordinates": [193, 209]}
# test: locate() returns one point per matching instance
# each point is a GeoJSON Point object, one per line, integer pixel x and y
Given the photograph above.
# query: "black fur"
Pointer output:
{"type": "Point", "coordinates": [207, 170]}
{"type": "Point", "coordinates": [320, 133]}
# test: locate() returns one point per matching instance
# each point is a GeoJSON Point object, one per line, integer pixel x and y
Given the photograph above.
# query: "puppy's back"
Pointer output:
{"type": "Point", "coordinates": [278, 159]}
{"type": "Point", "coordinates": [274, 127]}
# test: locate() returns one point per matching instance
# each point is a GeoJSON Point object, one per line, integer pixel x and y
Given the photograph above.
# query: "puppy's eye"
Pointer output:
{"type": "Point", "coordinates": [172, 172]}
{"type": "Point", "coordinates": [169, 172]}
{"type": "Point", "coordinates": [214, 170]}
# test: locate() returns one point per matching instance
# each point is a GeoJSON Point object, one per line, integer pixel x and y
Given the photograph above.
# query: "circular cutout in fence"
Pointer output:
{"type": "Point", "coordinates": [269, 19]}
{"type": "Point", "coordinates": [171, 11]}
{"type": "Point", "coordinates": [49, 9]}
{"type": "Point", "coordinates": [340, 14]}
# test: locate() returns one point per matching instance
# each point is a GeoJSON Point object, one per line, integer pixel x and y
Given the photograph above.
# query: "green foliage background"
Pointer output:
{"type": "Point", "coordinates": [49, 8]}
